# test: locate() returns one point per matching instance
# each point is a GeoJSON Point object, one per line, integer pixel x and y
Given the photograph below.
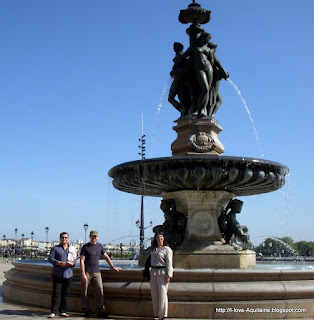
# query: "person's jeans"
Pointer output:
{"type": "Point", "coordinates": [61, 288]}
{"type": "Point", "coordinates": [95, 279]}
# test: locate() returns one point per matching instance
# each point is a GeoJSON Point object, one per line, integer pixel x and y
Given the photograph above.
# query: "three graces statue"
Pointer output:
{"type": "Point", "coordinates": [197, 73]}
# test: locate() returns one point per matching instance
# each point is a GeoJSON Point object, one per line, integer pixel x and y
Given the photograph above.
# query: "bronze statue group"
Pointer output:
{"type": "Point", "coordinates": [197, 73]}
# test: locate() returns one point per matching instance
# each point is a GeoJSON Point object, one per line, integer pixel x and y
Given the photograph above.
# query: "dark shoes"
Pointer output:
{"type": "Point", "coordinates": [103, 315]}
{"type": "Point", "coordinates": [87, 314]}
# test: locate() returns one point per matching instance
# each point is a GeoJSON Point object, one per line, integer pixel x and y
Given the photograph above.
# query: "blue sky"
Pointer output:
{"type": "Point", "coordinates": [76, 76]}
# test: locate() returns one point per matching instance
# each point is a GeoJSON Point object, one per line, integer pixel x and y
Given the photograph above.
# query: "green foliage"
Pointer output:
{"type": "Point", "coordinates": [302, 246]}
{"type": "Point", "coordinates": [287, 240]}
{"type": "Point", "coordinates": [118, 255]}
{"type": "Point", "coordinates": [285, 246]}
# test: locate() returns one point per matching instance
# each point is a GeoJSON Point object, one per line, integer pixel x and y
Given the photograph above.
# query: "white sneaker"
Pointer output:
{"type": "Point", "coordinates": [52, 315]}
{"type": "Point", "coordinates": [63, 314]}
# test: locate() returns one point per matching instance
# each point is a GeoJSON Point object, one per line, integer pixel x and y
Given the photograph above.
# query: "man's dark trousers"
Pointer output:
{"type": "Point", "coordinates": [61, 288]}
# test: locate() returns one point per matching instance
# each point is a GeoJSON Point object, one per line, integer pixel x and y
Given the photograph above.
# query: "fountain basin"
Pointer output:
{"type": "Point", "coordinates": [193, 294]}
{"type": "Point", "coordinates": [236, 175]}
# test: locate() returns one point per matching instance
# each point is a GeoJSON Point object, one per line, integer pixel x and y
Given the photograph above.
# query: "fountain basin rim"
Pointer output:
{"type": "Point", "coordinates": [271, 272]}
{"type": "Point", "coordinates": [240, 176]}
{"type": "Point", "coordinates": [238, 159]}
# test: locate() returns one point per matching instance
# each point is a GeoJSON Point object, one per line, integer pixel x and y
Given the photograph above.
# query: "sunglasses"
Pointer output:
{"type": "Point", "coordinates": [63, 237]}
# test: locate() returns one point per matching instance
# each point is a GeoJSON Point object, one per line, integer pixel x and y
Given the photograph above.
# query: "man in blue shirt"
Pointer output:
{"type": "Point", "coordinates": [89, 262]}
{"type": "Point", "coordinates": [61, 274]}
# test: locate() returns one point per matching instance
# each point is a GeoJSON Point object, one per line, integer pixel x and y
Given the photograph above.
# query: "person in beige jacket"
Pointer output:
{"type": "Point", "coordinates": [160, 275]}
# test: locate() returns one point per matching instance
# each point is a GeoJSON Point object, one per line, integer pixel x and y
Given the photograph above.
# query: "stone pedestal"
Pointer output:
{"type": "Point", "coordinates": [203, 246]}
{"type": "Point", "coordinates": [197, 136]}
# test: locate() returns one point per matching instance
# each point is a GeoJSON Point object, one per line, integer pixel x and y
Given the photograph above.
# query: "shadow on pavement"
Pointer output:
{"type": "Point", "coordinates": [25, 313]}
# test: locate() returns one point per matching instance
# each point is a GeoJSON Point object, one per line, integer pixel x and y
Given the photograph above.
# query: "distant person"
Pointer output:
{"type": "Point", "coordinates": [160, 275]}
{"type": "Point", "coordinates": [63, 257]}
{"type": "Point", "coordinates": [89, 262]}
{"type": "Point", "coordinates": [6, 258]}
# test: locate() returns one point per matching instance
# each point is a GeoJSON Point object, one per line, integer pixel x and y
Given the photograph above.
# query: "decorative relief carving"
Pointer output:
{"type": "Point", "coordinates": [202, 222]}
{"type": "Point", "coordinates": [202, 142]}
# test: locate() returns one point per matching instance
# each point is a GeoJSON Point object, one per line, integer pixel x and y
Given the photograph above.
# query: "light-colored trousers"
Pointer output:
{"type": "Point", "coordinates": [159, 291]}
{"type": "Point", "coordinates": [95, 279]}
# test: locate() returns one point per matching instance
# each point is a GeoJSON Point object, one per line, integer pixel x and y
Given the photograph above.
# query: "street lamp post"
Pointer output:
{"type": "Point", "coordinates": [140, 225]}
{"type": "Point", "coordinates": [32, 237]}
{"type": "Point", "coordinates": [85, 228]}
{"type": "Point", "coordinates": [4, 244]}
{"type": "Point", "coordinates": [22, 242]}
{"type": "Point", "coordinates": [15, 230]}
{"type": "Point", "coordinates": [47, 230]}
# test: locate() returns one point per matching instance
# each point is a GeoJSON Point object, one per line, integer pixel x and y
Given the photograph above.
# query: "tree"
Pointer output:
{"type": "Point", "coordinates": [284, 247]}
{"type": "Point", "coordinates": [303, 246]}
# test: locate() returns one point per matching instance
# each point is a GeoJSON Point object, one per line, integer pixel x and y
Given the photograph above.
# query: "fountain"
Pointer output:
{"type": "Point", "coordinates": [197, 179]}
{"type": "Point", "coordinates": [214, 269]}
{"type": "Point", "coordinates": [198, 186]}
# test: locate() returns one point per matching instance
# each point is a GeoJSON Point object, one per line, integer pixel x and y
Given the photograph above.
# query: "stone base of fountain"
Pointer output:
{"type": "Point", "coordinates": [193, 294]}
{"type": "Point", "coordinates": [203, 246]}
{"type": "Point", "coordinates": [215, 257]}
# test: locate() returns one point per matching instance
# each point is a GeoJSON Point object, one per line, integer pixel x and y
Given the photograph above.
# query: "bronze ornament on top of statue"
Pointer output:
{"type": "Point", "coordinates": [194, 14]}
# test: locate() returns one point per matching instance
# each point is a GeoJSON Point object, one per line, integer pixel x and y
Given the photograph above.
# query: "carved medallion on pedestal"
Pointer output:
{"type": "Point", "coordinates": [197, 136]}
